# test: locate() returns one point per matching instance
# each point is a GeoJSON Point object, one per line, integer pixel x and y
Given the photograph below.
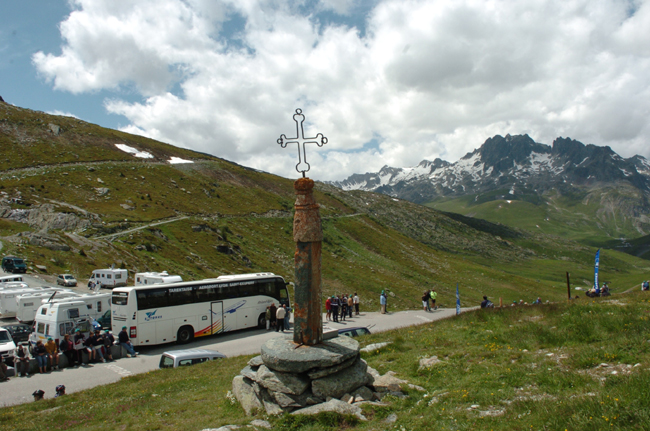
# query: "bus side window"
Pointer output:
{"type": "Point", "coordinates": [99, 306]}
{"type": "Point", "coordinates": [43, 311]}
{"type": "Point", "coordinates": [47, 329]}
{"type": "Point", "coordinates": [40, 328]}
{"type": "Point", "coordinates": [181, 298]}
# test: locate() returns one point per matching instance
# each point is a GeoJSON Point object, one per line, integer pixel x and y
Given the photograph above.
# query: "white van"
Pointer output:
{"type": "Point", "coordinates": [7, 346]}
{"type": "Point", "coordinates": [8, 305]}
{"type": "Point", "coordinates": [55, 319]}
{"type": "Point", "coordinates": [9, 278]}
{"type": "Point", "coordinates": [28, 303]}
{"type": "Point", "coordinates": [146, 278]}
{"type": "Point", "coordinates": [109, 278]}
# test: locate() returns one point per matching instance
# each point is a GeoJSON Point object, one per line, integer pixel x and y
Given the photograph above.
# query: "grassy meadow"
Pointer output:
{"type": "Point", "coordinates": [583, 365]}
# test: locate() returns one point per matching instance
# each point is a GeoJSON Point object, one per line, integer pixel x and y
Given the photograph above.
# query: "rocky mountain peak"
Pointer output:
{"type": "Point", "coordinates": [510, 161]}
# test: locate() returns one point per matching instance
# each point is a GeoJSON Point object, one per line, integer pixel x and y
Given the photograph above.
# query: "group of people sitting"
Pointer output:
{"type": "Point", "coordinates": [96, 346]}
{"type": "Point", "coordinates": [339, 306]}
{"type": "Point", "coordinates": [598, 291]}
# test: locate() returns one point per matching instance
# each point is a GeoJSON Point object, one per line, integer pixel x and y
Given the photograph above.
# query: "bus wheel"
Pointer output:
{"type": "Point", "coordinates": [261, 321]}
{"type": "Point", "coordinates": [185, 335]}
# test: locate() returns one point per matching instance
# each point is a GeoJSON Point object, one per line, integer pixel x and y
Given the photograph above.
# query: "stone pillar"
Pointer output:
{"type": "Point", "coordinates": [308, 235]}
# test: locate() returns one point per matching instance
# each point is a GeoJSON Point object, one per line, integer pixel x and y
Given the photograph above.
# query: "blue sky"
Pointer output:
{"type": "Point", "coordinates": [388, 82]}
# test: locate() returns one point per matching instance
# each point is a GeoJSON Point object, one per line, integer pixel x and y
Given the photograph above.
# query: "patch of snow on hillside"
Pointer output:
{"type": "Point", "coordinates": [387, 179]}
{"type": "Point", "coordinates": [136, 153]}
{"type": "Point", "coordinates": [512, 191]}
{"type": "Point", "coordinates": [178, 160]}
{"type": "Point", "coordinates": [540, 162]}
{"type": "Point", "coordinates": [585, 159]}
{"type": "Point", "coordinates": [626, 173]}
{"type": "Point", "coordinates": [355, 186]}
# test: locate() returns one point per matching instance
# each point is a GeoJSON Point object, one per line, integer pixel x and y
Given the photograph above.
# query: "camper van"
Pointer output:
{"type": "Point", "coordinates": [146, 278]}
{"type": "Point", "coordinates": [28, 303]}
{"type": "Point", "coordinates": [10, 278]}
{"type": "Point", "coordinates": [8, 298]}
{"type": "Point", "coordinates": [108, 278]}
{"type": "Point", "coordinates": [55, 319]}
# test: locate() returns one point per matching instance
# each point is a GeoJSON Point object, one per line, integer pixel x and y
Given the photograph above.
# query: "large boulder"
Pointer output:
{"type": "Point", "coordinates": [332, 405]}
{"type": "Point", "coordinates": [281, 354]}
{"type": "Point", "coordinates": [277, 381]}
{"type": "Point", "coordinates": [243, 390]}
{"type": "Point", "coordinates": [388, 383]}
{"type": "Point", "coordinates": [322, 372]}
{"type": "Point", "coordinates": [346, 381]}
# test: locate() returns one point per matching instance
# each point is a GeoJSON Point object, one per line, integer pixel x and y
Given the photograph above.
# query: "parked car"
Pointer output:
{"type": "Point", "coordinates": [180, 358]}
{"type": "Point", "coordinates": [354, 332]}
{"type": "Point", "coordinates": [13, 264]}
{"type": "Point", "coordinates": [66, 280]}
{"type": "Point", "coordinates": [105, 320]}
{"type": "Point", "coordinates": [7, 347]}
{"type": "Point", "coordinates": [19, 331]}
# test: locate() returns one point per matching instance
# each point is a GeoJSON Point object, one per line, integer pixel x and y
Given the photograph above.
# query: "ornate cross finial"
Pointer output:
{"type": "Point", "coordinates": [319, 140]}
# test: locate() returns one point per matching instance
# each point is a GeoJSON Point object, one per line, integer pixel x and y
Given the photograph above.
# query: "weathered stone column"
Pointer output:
{"type": "Point", "coordinates": [308, 235]}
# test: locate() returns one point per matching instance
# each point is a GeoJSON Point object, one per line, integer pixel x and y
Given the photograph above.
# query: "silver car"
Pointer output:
{"type": "Point", "coordinates": [66, 280]}
{"type": "Point", "coordinates": [180, 358]}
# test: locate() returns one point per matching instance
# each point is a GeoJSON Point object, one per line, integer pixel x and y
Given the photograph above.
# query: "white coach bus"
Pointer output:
{"type": "Point", "coordinates": [157, 314]}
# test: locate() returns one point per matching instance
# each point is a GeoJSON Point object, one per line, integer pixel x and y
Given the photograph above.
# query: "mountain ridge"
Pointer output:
{"type": "Point", "coordinates": [520, 169]}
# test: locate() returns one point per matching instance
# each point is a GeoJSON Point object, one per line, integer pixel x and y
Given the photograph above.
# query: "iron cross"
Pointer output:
{"type": "Point", "coordinates": [300, 139]}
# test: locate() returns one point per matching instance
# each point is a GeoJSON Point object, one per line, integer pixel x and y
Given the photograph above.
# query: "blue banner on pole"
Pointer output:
{"type": "Point", "coordinates": [596, 269]}
{"type": "Point", "coordinates": [457, 300]}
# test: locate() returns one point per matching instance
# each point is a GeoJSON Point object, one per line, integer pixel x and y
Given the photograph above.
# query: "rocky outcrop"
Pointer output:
{"type": "Point", "coordinates": [44, 218]}
{"type": "Point", "coordinates": [308, 380]}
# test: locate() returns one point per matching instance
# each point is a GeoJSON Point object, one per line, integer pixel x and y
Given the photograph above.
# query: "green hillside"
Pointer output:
{"type": "Point", "coordinates": [592, 216]}
{"type": "Point", "coordinates": [89, 205]}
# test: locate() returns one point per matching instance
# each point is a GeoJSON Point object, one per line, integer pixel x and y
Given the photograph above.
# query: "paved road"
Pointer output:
{"type": "Point", "coordinates": [19, 389]}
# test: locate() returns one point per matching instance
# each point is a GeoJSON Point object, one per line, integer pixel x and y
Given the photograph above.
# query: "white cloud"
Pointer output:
{"type": "Point", "coordinates": [428, 78]}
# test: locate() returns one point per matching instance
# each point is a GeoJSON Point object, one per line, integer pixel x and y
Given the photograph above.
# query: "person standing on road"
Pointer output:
{"type": "Point", "coordinates": [267, 317]}
{"type": "Point", "coordinates": [274, 317]}
{"type": "Point", "coordinates": [383, 301]}
{"type": "Point", "coordinates": [344, 307]}
{"type": "Point", "coordinates": [350, 305]}
{"type": "Point", "coordinates": [328, 308]}
{"type": "Point", "coordinates": [67, 348]}
{"type": "Point", "coordinates": [425, 301]}
{"type": "Point", "coordinates": [287, 317]}
{"type": "Point", "coordinates": [433, 296]}
{"type": "Point", "coordinates": [356, 303]}
{"type": "Point", "coordinates": [125, 341]}
{"type": "Point", "coordinates": [53, 352]}
{"type": "Point", "coordinates": [335, 308]}
{"type": "Point", "coordinates": [279, 315]}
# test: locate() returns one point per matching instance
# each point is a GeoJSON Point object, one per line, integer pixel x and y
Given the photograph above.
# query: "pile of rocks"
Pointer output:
{"type": "Point", "coordinates": [309, 379]}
